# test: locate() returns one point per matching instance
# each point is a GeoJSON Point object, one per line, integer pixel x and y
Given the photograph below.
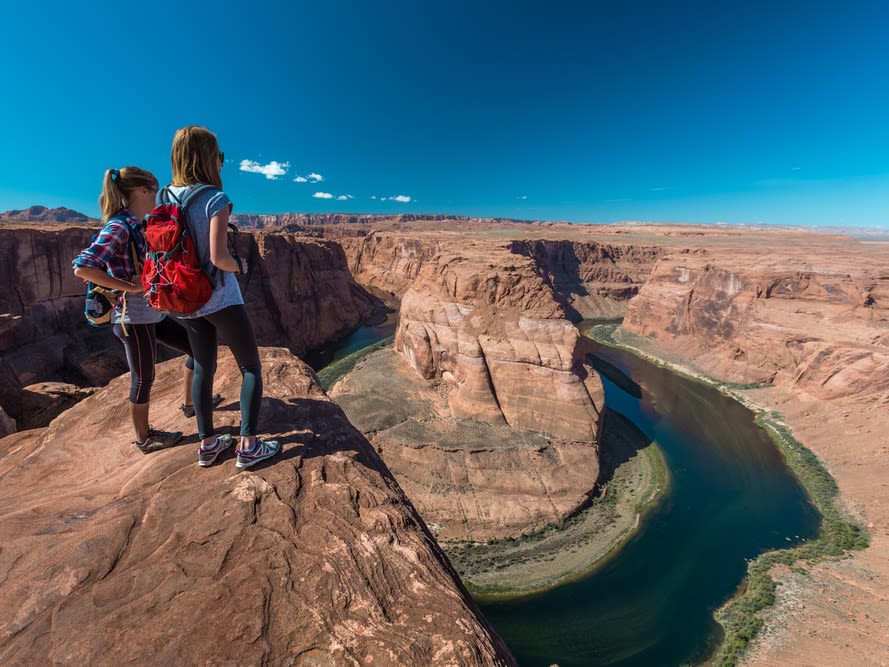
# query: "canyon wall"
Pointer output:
{"type": "Point", "coordinates": [390, 262]}
{"type": "Point", "coordinates": [484, 323]}
{"type": "Point", "coordinates": [298, 292]}
{"type": "Point", "coordinates": [813, 323]}
{"type": "Point", "coordinates": [593, 280]}
{"type": "Point", "coordinates": [275, 221]}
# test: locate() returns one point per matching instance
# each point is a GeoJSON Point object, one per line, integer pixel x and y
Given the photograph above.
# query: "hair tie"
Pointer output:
{"type": "Point", "coordinates": [115, 175]}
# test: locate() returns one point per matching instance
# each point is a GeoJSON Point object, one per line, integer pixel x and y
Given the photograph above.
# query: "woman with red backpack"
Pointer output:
{"type": "Point", "coordinates": [196, 162]}
{"type": "Point", "coordinates": [113, 260]}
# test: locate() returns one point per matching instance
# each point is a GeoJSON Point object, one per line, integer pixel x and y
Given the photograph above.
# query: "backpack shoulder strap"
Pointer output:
{"type": "Point", "coordinates": [166, 195]}
{"type": "Point", "coordinates": [191, 193]}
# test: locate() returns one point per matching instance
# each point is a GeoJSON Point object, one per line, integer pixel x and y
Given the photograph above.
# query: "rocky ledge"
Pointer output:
{"type": "Point", "coordinates": [315, 558]}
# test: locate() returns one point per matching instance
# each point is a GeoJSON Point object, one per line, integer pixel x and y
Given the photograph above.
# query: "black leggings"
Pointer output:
{"type": "Point", "coordinates": [140, 345]}
{"type": "Point", "coordinates": [234, 325]}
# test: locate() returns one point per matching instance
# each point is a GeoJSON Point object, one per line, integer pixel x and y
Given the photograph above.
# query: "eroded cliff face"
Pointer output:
{"type": "Point", "coordinates": [486, 325]}
{"type": "Point", "coordinates": [315, 557]}
{"type": "Point", "coordinates": [594, 280]}
{"type": "Point", "coordinates": [43, 335]}
{"type": "Point", "coordinates": [389, 262]}
{"type": "Point", "coordinates": [299, 294]}
{"type": "Point", "coordinates": [818, 326]}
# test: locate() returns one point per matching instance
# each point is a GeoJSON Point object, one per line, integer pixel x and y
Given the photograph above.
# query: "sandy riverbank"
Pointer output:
{"type": "Point", "coordinates": [380, 397]}
{"type": "Point", "coordinates": [635, 478]}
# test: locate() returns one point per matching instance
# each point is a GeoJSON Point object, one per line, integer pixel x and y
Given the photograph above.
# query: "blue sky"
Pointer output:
{"type": "Point", "coordinates": [686, 111]}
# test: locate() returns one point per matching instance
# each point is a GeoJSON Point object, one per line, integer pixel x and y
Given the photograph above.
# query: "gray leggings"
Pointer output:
{"type": "Point", "coordinates": [234, 326]}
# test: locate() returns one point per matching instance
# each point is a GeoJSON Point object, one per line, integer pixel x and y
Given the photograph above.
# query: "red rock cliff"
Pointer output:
{"type": "Point", "coordinates": [486, 324]}
{"type": "Point", "coordinates": [316, 557]}
{"type": "Point", "coordinates": [775, 316]}
{"type": "Point", "coordinates": [299, 294]}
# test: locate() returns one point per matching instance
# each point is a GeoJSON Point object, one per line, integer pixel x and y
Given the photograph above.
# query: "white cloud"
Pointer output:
{"type": "Point", "coordinates": [404, 199]}
{"type": "Point", "coordinates": [322, 195]}
{"type": "Point", "coordinates": [523, 197]}
{"type": "Point", "coordinates": [345, 197]}
{"type": "Point", "coordinates": [373, 196]}
{"type": "Point", "coordinates": [300, 179]}
{"type": "Point", "coordinates": [315, 178]}
{"type": "Point", "coordinates": [271, 170]}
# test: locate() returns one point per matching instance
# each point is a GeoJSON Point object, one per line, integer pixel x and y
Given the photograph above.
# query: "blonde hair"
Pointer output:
{"type": "Point", "coordinates": [117, 186]}
{"type": "Point", "coordinates": [195, 157]}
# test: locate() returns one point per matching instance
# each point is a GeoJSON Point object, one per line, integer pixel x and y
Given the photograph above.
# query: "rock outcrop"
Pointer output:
{"type": "Point", "coordinates": [790, 317]}
{"type": "Point", "coordinates": [299, 294]}
{"type": "Point", "coordinates": [594, 280]}
{"type": "Point", "coordinates": [316, 557]}
{"type": "Point", "coordinates": [486, 325]}
{"type": "Point", "coordinates": [471, 481]}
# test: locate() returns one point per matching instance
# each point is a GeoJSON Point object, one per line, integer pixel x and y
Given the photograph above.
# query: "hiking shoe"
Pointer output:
{"type": "Point", "coordinates": [207, 455]}
{"type": "Point", "coordinates": [188, 410]}
{"type": "Point", "coordinates": [262, 450]}
{"type": "Point", "coordinates": [157, 440]}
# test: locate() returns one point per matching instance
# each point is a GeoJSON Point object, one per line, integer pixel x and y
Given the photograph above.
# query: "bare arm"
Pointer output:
{"type": "Point", "coordinates": [219, 255]}
{"type": "Point", "coordinates": [99, 277]}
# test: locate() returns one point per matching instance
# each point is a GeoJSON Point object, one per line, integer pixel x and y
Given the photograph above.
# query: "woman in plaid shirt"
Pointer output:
{"type": "Point", "coordinates": [110, 261]}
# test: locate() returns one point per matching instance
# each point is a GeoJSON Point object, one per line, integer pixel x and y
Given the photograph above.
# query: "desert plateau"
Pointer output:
{"type": "Point", "coordinates": [480, 423]}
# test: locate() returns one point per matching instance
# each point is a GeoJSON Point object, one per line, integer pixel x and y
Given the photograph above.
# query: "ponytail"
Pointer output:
{"type": "Point", "coordinates": [118, 183]}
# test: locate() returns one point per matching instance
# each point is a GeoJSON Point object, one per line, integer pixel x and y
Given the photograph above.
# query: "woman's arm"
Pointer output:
{"type": "Point", "coordinates": [100, 277]}
{"type": "Point", "coordinates": [219, 255]}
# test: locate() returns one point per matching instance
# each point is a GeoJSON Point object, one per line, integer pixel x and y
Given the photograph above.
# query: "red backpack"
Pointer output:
{"type": "Point", "coordinates": [173, 278]}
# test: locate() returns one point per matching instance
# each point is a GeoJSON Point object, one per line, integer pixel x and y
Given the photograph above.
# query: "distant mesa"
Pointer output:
{"type": "Point", "coordinates": [44, 214]}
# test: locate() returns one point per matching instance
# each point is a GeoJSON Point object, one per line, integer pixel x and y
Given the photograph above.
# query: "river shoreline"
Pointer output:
{"type": "Point", "coordinates": [841, 533]}
{"type": "Point", "coordinates": [557, 555]}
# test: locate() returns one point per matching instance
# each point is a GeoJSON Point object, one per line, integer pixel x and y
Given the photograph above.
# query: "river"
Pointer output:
{"type": "Point", "coordinates": [731, 498]}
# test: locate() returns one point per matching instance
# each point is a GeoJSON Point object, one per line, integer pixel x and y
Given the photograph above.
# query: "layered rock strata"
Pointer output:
{"type": "Point", "coordinates": [316, 557]}
{"type": "Point", "coordinates": [595, 280]}
{"type": "Point", "coordinates": [471, 481]}
{"type": "Point", "coordinates": [491, 331]}
{"type": "Point", "coordinates": [808, 316]}
{"type": "Point", "coordinates": [819, 326]}
{"type": "Point", "coordinates": [299, 294]}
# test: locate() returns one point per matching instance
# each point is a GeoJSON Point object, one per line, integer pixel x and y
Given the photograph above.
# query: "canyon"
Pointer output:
{"type": "Point", "coordinates": [798, 321]}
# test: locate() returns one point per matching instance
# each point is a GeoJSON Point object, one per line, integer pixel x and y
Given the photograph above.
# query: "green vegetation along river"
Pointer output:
{"type": "Point", "coordinates": [731, 498]}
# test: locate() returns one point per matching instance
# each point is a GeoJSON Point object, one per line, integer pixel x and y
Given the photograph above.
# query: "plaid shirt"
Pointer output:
{"type": "Point", "coordinates": [110, 249]}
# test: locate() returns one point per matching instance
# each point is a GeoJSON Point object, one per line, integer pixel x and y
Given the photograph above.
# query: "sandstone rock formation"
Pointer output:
{"type": "Point", "coordinates": [789, 316]}
{"type": "Point", "coordinates": [299, 294]}
{"type": "Point", "coordinates": [809, 315]}
{"type": "Point", "coordinates": [112, 557]}
{"type": "Point", "coordinates": [471, 481]}
{"type": "Point", "coordinates": [490, 329]}
{"type": "Point", "coordinates": [7, 423]}
{"type": "Point", "coordinates": [594, 280]}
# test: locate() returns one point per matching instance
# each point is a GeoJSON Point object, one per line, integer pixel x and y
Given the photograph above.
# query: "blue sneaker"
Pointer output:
{"type": "Point", "coordinates": [262, 450]}
{"type": "Point", "coordinates": [207, 455]}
